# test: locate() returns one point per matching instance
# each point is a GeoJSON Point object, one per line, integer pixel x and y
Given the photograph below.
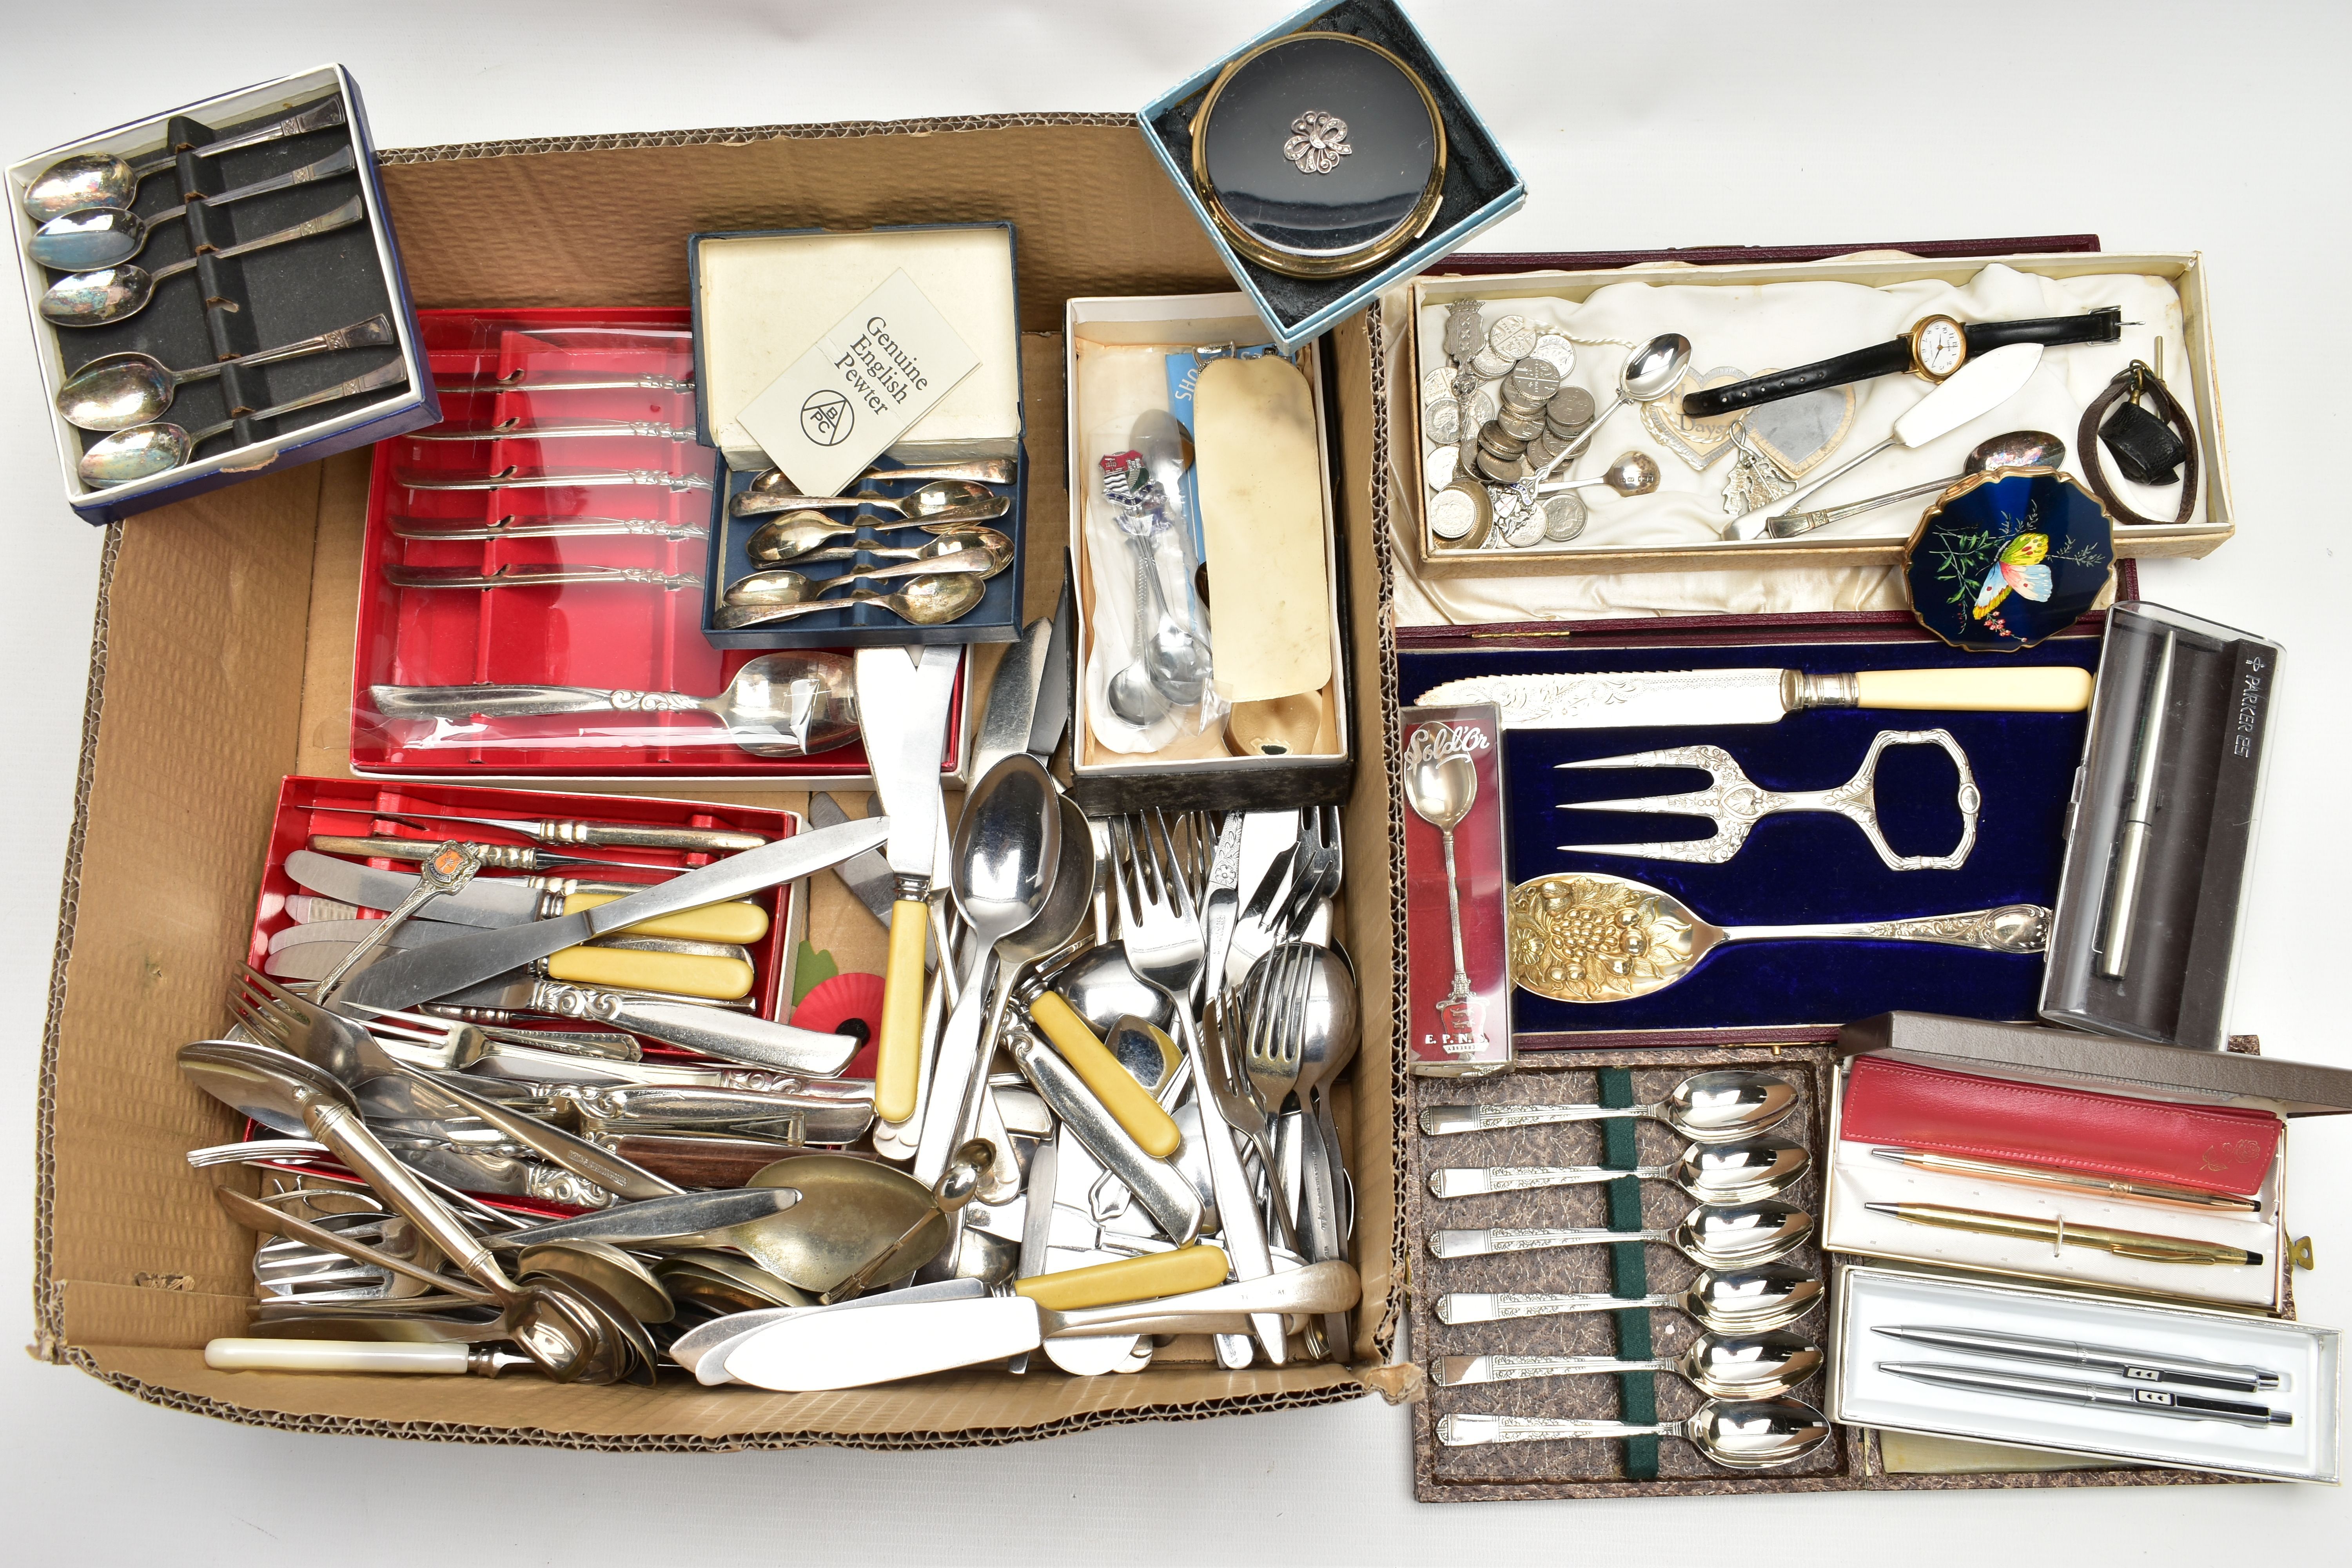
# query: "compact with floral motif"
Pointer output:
{"type": "Point", "coordinates": [2009, 557]}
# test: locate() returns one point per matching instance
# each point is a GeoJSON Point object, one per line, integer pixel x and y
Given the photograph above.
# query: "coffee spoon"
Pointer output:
{"type": "Point", "coordinates": [1732, 1300]}
{"type": "Point", "coordinates": [116, 293]}
{"type": "Point", "coordinates": [779, 585]}
{"type": "Point", "coordinates": [1706, 1107]}
{"type": "Point", "coordinates": [799, 535]}
{"type": "Point", "coordinates": [950, 538]}
{"type": "Point", "coordinates": [1722, 1366]}
{"type": "Point", "coordinates": [1714, 1234]}
{"type": "Point", "coordinates": [1651, 372]}
{"type": "Point", "coordinates": [104, 180]}
{"type": "Point", "coordinates": [932, 599]}
{"type": "Point", "coordinates": [122, 389]}
{"type": "Point", "coordinates": [96, 236]}
{"type": "Point", "coordinates": [1712, 1173]}
{"type": "Point", "coordinates": [1632, 474]}
{"type": "Point", "coordinates": [941, 500]}
{"type": "Point", "coordinates": [2017, 449]}
{"type": "Point", "coordinates": [141, 451]}
{"type": "Point", "coordinates": [1738, 1433]}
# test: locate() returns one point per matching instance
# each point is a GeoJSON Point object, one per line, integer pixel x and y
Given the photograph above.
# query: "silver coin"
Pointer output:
{"type": "Point", "coordinates": [1563, 517]}
{"type": "Point", "coordinates": [1441, 419]}
{"type": "Point", "coordinates": [1490, 365]}
{"type": "Point", "coordinates": [1438, 467]}
{"type": "Point", "coordinates": [1511, 336]}
{"type": "Point", "coordinates": [1454, 511]}
{"type": "Point", "coordinates": [1546, 447]}
{"type": "Point", "coordinates": [1493, 437]}
{"type": "Point", "coordinates": [1482, 408]}
{"type": "Point", "coordinates": [1556, 352]}
{"type": "Point", "coordinates": [1464, 329]}
{"type": "Point", "coordinates": [1520, 428]}
{"type": "Point", "coordinates": [1501, 470]}
{"type": "Point", "coordinates": [1571, 407]}
{"type": "Point", "coordinates": [1532, 380]}
{"type": "Point", "coordinates": [1437, 382]}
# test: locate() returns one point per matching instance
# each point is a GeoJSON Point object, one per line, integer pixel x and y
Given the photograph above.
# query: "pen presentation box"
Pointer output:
{"type": "Point", "coordinates": [348, 277]}
{"type": "Point", "coordinates": [1677, 529]}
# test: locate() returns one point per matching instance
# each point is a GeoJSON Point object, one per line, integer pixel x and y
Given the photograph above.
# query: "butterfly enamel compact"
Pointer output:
{"type": "Point", "coordinates": [2008, 557]}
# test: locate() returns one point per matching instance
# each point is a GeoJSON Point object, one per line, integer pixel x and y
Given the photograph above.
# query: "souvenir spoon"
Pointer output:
{"type": "Point", "coordinates": [933, 599]}
{"type": "Point", "coordinates": [1715, 1235]}
{"type": "Point", "coordinates": [1711, 1172]}
{"type": "Point", "coordinates": [143, 451]}
{"type": "Point", "coordinates": [1706, 1107]}
{"type": "Point", "coordinates": [778, 585]}
{"type": "Point", "coordinates": [941, 500]}
{"type": "Point", "coordinates": [1738, 1433]}
{"type": "Point", "coordinates": [96, 237]}
{"type": "Point", "coordinates": [118, 390]}
{"type": "Point", "coordinates": [1632, 474]}
{"type": "Point", "coordinates": [103, 179]}
{"type": "Point", "coordinates": [985, 470]}
{"type": "Point", "coordinates": [115, 293]}
{"type": "Point", "coordinates": [1731, 1300]}
{"type": "Point", "coordinates": [1722, 1366]}
{"type": "Point", "coordinates": [1587, 936]}
{"type": "Point", "coordinates": [2017, 449]}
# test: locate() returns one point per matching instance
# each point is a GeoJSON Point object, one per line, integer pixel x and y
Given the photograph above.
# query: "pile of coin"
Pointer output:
{"type": "Point", "coordinates": [1506, 434]}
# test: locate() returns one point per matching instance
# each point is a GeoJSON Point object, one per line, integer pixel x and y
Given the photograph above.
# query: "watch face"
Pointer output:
{"type": "Point", "coordinates": [1938, 347]}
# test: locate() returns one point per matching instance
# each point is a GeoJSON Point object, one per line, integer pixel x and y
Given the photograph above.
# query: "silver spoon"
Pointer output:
{"type": "Point", "coordinates": [1735, 1300]}
{"type": "Point", "coordinates": [932, 599]}
{"type": "Point", "coordinates": [1632, 474]}
{"type": "Point", "coordinates": [95, 237]}
{"type": "Point", "coordinates": [1720, 1172]}
{"type": "Point", "coordinates": [141, 451]}
{"type": "Point", "coordinates": [1171, 667]}
{"type": "Point", "coordinates": [1100, 988]}
{"type": "Point", "coordinates": [103, 179]}
{"type": "Point", "coordinates": [114, 293]}
{"type": "Point", "coordinates": [2016, 449]}
{"type": "Point", "coordinates": [1714, 1234]}
{"type": "Point", "coordinates": [949, 538]}
{"type": "Point", "coordinates": [1722, 1366]}
{"type": "Point", "coordinates": [778, 585]}
{"type": "Point", "coordinates": [941, 500]}
{"type": "Point", "coordinates": [1738, 1433]}
{"type": "Point", "coordinates": [1651, 372]}
{"type": "Point", "coordinates": [122, 389]}
{"type": "Point", "coordinates": [797, 535]}
{"type": "Point", "coordinates": [1706, 1107]}
{"type": "Point", "coordinates": [986, 471]}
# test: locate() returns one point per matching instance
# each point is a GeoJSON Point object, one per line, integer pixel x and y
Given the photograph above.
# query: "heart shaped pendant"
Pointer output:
{"type": "Point", "coordinates": [1698, 442]}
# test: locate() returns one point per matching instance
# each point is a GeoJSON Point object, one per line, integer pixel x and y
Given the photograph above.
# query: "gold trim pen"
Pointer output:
{"type": "Point", "coordinates": [2058, 1234]}
{"type": "Point", "coordinates": [2076, 1181]}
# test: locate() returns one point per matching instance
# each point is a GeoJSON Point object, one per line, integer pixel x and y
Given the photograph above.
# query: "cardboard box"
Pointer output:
{"type": "Point", "coordinates": [136, 1266]}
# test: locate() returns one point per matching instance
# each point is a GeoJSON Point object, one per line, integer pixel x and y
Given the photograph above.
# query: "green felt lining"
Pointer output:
{"type": "Point", "coordinates": [1629, 1276]}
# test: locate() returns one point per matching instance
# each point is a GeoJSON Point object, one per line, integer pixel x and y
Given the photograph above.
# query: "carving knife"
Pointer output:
{"type": "Point", "coordinates": [507, 901]}
{"type": "Point", "coordinates": [1618, 698]}
{"type": "Point", "coordinates": [425, 973]}
{"type": "Point", "coordinates": [903, 714]}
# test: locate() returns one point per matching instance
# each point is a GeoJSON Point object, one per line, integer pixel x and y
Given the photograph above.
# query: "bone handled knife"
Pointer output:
{"type": "Point", "coordinates": [1621, 699]}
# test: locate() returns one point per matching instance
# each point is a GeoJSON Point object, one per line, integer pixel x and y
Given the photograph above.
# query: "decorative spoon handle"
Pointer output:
{"type": "Point", "coordinates": [344, 216]}
{"type": "Point", "coordinates": [2012, 927]}
{"type": "Point", "coordinates": [1511, 1368]}
{"type": "Point", "coordinates": [1462, 1307]}
{"type": "Point", "coordinates": [393, 375]}
{"type": "Point", "coordinates": [1789, 524]}
{"type": "Point", "coordinates": [493, 701]}
{"type": "Point", "coordinates": [515, 430]}
{"type": "Point", "coordinates": [1440, 1120]}
{"type": "Point", "coordinates": [556, 528]}
{"type": "Point", "coordinates": [513, 382]}
{"type": "Point", "coordinates": [314, 118]}
{"type": "Point", "coordinates": [1466, 1431]}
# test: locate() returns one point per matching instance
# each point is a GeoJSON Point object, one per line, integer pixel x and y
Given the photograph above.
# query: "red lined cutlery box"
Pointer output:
{"type": "Point", "coordinates": [638, 637]}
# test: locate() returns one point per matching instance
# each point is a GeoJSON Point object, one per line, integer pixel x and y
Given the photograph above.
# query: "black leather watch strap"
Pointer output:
{"type": "Point", "coordinates": [2102, 326]}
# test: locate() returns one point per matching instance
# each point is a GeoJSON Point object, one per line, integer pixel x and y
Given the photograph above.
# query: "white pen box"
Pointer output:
{"type": "Point", "coordinates": [1957, 1130]}
{"type": "Point", "coordinates": [1745, 319]}
{"type": "Point", "coordinates": [2301, 1363]}
{"type": "Point", "coordinates": [763, 298]}
{"type": "Point", "coordinates": [1118, 354]}
{"type": "Point", "coordinates": [303, 346]}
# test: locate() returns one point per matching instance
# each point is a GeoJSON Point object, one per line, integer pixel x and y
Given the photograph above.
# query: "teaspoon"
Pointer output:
{"type": "Point", "coordinates": [2017, 449]}
{"type": "Point", "coordinates": [1651, 372]}
{"type": "Point", "coordinates": [121, 389]}
{"type": "Point", "coordinates": [141, 451]}
{"type": "Point", "coordinates": [103, 179]}
{"type": "Point", "coordinates": [986, 471]}
{"type": "Point", "coordinates": [779, 586]}
{"type": "Point", "coordinates": [933, 599]}
{"type": "Point", "coordinates": [96, 236]}
{"type": "Point", "coordinates": [1723, 1366]}
{"type": "Point", "coordinates": [798, 534]}
{"type": "Point", "coordinates": [1706, 1107]}
{"type": "Point", "coordinates": [941, 500]}
{"type": "Point", "coordinates": [1735, 1300]}
{"type": "Point", "coordinates": [1716, 1174]}
{"type": "Point", "coordinates": [1715, 1235]}
{"type": "Point", "coordinates": [114, 293]}
{"type": "Point", "coordinates": [947, 539]}
{"type": "Point", "coordinates": [1738, 1433]}
{"type": "Point", "coordinates": [1632, 474]}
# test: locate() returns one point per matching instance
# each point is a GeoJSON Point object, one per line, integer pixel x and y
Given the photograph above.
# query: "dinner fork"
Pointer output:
{"type": "Point", "coordinates": [1162, 935]}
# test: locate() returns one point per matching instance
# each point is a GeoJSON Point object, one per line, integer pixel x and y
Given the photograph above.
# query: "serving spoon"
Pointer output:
{"type": "Point", "coordinates": [1712, 1173]}
{"type": "Point", "coordinates": [941, 500]}
{"type": "Point", "coordinates": [1713, 1234]}
{"type": "Point", "coordinates": [2016, 449]}
{"type": "Point", "coordinates": [932, 599]}
{"type": "Point", "coordinates": [1723, 1366]}
{"type": "Point", "coordinates": [95, 237]}
{"type": "Point", "coordinates": [132, 388]}
{"type": "Point", "coordinates": [1706, 1107]}
{"type": "Point", "coordinates": [141, 451]}
{"type": "Point", "coordinates": [116, 293]}
{"type": "Point", "coordinates": [1738, 1433]}
{"type": "Point", "coordinates": [1735, 1300]}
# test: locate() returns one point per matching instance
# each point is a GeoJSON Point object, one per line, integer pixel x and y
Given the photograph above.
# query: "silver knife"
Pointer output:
{"type": "Point", "coordinates": [484, 902]}
{"type": "Point", "coordinates": [903, 714]}
{"type": "Point", "coordinates": [1053, 714]}
{"type": "Point", "coordinates": [1645, 697]}
{"type": "Point", "coordinates": [866, 874]}
{"type": "Point", "coordinates": [423, 974]}
{"type": "Point", "coordinates": [714, 1030]}
{"type": "Point", "coordinates": [1012, 699]}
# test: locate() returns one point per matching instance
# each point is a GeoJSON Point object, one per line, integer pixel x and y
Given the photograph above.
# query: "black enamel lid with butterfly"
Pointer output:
{"type": "Point", "coordinates": [1318, 154]}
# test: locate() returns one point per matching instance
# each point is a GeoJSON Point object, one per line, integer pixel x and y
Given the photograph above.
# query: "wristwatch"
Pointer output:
{"type": "Point", "coordinates": [1933, 348]}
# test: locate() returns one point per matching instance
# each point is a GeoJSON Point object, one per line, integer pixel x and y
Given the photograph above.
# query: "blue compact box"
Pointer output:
{"type": "Point", "coordinates": [347, 276]}
{"type": "Point", "coordinates": [1480, 185]}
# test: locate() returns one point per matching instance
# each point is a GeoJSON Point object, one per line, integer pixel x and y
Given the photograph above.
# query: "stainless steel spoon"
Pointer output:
{"type": "Point", "coordinates": [96, 237]}
{"type": "Point", "coordinates": [1722, 1366]}
{"type": "Point", "coordinates": [115, 293]}
{"type": "Point", "coordinates": [115, 390]}
{"type": "Point", "coordinates": [1706, 1107]}
{"type": "Point", "coordinates": [104, 180]}
{"type": "Point", "coordinates": [941, 500]}
{"type": "Point", "coordinates": [2015, 449]}
{"type": "Point", "coordinates": [1735, 1300]}
{"type": "Point", "coordinates": [1717, 1173]}
{"type": "Point", "coordinates": [932, 599]}
{"type": "Point", "coordinates": [143, 451]}
{"type": "Point", "coordinates": [1100, 988]}
{"type": "Point", "coordinates": [1714, 1234]}
{"type": "Point", "coordinates": [1738, 1433]}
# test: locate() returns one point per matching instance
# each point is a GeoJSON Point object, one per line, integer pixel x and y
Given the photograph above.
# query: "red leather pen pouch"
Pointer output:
{"type": "Point", "coordinates": [2216, 1149]}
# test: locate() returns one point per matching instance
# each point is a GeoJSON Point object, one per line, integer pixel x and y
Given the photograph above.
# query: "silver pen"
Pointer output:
{"type": "Point", "coordinates": [2135, 1366]}
{"type": "Point", "coordinates": [2131, 848]}
{"type": "Point", "coordinates": [2052, 1391]}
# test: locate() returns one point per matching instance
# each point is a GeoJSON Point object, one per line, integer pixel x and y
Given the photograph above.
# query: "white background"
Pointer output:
{"type": "Point", "coordinates": [2157, 126]}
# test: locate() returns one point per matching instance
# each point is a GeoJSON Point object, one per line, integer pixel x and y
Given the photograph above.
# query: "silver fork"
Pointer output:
{"type": "Point", "coordinates": [1162, 938]}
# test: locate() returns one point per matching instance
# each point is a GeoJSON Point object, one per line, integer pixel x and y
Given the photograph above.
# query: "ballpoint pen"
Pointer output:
{"type": "Point", "coordinates": [2131, 848]}
{"type": "Point", "coordinates": [2149, 1401]}
{"type": "Point", "coordinates": [2078, 1181]}
{"type": "Point", "coordinates": [2136, 1366]}
{"type": "Point", "coordinates": [2058, 1233]}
